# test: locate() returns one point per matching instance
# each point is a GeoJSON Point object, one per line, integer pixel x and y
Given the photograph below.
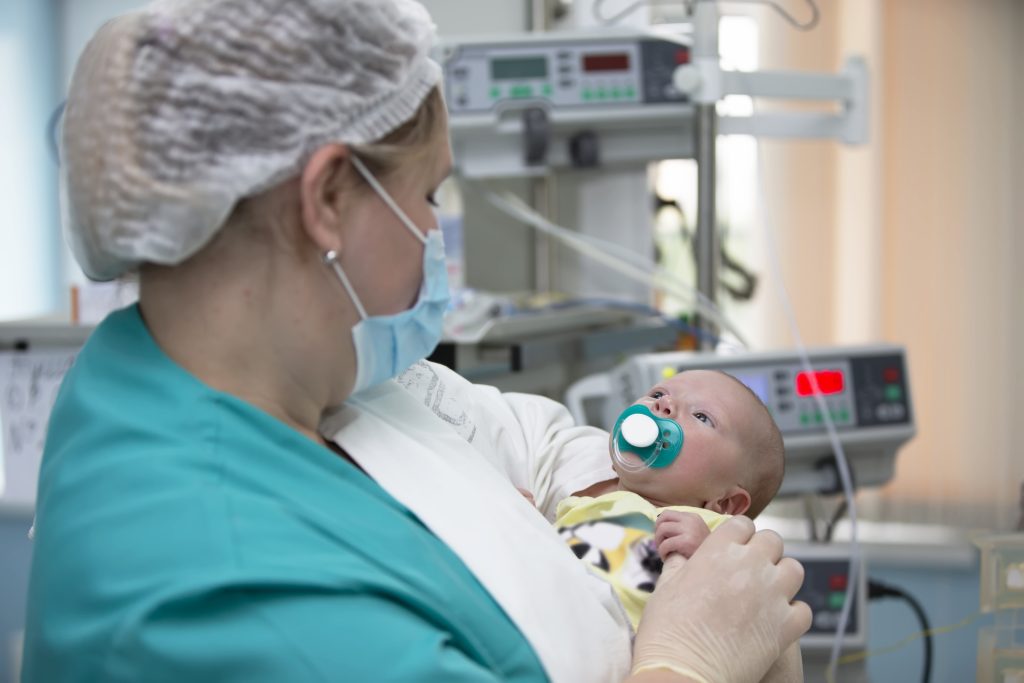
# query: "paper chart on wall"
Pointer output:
{"type": "Point", "coordinates": [29, 382]}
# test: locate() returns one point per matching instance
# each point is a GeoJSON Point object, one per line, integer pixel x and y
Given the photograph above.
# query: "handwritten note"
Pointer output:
{"type": "Point", "coordinates": [29, 382]}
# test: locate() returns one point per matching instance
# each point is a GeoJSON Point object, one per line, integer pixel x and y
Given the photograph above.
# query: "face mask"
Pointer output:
{"type": "Point", "coordinates": [386, 345]}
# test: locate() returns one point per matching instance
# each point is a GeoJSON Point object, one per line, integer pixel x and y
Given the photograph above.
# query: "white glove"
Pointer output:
{"type": "Point", "coordinates": [726, 614]}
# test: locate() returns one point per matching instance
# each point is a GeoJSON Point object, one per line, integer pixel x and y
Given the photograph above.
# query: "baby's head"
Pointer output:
{"type": "Point", "coordinates": [732, 459]}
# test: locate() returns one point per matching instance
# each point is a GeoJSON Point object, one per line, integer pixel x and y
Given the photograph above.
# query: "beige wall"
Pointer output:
{"type": "Point", "coordinates": [952, 250]}
{"type": "Point", "coordinates": [917, 238]}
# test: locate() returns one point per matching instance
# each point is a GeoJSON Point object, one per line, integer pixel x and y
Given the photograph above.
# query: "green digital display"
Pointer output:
{"type": "Point", "coordinates": [519, 67]}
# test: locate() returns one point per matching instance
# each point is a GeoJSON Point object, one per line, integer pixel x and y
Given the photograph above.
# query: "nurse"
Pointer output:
{"type": "Point", "coordinates": [234, 486]}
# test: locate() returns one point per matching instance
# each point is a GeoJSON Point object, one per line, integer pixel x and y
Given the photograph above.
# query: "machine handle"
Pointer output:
{"type": "Point", "coordinates": [591, 386]}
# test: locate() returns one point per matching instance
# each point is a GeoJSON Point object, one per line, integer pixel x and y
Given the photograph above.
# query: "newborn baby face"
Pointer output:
{"type": "Point", "coordinates": [715, 412]}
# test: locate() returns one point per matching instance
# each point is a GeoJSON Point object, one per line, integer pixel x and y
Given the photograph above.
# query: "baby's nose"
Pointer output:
{"type": "Point", "coordinates": [664, 407]}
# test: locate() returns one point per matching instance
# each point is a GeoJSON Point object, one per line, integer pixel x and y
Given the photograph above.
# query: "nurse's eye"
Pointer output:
{"type": "Point", "coordinates": [432, 200]}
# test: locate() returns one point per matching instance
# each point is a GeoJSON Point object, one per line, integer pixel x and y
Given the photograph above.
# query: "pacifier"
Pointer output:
{"type": "Point", "coordinates": [655, 441]}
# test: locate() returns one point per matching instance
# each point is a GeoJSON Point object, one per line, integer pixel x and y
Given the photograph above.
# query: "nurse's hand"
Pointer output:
{"type": "Point", "coordinates": [724, 615]}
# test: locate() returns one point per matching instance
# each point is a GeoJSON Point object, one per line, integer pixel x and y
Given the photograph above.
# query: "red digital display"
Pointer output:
{"type": "Point", "coordinates": [829, 382]}
{"type": "Point", "coordinates": [618, 61]}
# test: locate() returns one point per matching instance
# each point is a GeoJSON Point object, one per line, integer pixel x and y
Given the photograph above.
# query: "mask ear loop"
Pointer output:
{"type": "Point", "coordinates": [331, 259]}
{"type": "Point", "coordinates": [386, 198]}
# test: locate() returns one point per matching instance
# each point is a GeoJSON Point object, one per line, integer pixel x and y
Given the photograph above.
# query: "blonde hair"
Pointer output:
{"type": "Point", "coordinates": [410, 142]}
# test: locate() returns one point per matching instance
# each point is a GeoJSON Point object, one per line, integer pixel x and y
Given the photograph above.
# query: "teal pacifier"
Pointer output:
{"type": "Point", "coordinates": [656, 441]}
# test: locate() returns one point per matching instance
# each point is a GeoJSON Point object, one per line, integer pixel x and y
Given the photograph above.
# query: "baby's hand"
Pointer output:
{"type": "Point", "coordinates": [679, 532]}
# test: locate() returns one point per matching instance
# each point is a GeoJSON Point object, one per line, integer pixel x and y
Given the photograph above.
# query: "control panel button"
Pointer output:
{"type": "Point", "coordinates": [826, 621]}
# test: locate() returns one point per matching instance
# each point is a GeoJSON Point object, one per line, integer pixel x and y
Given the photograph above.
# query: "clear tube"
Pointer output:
{"type": "Point", "coordinates": [613, 258]}
{"type": "Point", "coordinates": [842, 464]}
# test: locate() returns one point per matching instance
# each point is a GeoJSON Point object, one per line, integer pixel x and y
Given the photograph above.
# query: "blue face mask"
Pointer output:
{"type": "Point", "coordinates": [386, 345]}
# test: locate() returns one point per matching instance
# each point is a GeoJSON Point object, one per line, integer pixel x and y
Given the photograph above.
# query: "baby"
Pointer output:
{"type": "Point", "coordinates": [731, 463]}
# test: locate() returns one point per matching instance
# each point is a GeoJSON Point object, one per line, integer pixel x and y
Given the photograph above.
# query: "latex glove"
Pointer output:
{"type": "Point", "coordinates": [679, 532]}
{"type": "Point", "coordinates": [788, 668]}
{"type": "Point", "coordinates": [726, 614]}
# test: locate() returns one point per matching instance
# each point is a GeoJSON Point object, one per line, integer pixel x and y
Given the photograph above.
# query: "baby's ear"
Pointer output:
{"type": "Point", "coordinates": [736, 501]}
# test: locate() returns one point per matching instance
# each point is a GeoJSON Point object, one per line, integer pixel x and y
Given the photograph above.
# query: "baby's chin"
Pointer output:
{"type": "Point", "coordinates": [647, 484]}
{"type": "Point", "coordinates": [641, 482]}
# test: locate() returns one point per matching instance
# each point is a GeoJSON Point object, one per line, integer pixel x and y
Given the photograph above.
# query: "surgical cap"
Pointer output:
{"type": "Point", "coordinates": [181, 109]}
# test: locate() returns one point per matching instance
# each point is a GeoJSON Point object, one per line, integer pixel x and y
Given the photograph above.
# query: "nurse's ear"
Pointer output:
{"type": "Point", "coordinates": [321, 188]}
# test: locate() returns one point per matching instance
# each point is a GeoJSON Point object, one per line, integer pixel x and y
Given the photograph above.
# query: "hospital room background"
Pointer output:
{"type": "Point", "coordinates": [906, 235]}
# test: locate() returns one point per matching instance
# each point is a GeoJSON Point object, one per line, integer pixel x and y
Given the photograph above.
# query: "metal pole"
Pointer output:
{"type": "Point", "coordinates": [708, 256]}
{"type": "Point", "coordinates": [708, 253]}
{"type": "Point", "coordinates": [539, 189]}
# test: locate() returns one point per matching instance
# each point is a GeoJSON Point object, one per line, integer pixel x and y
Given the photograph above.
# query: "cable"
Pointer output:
{"type": "Point", "coordinates": [809, 25]}
{"type": "Point", "coordinates": [878, 590]}
{"type": "Point", "coordinates": [836, 516]}
{"type": "Point", "coordinates": [598, 13]}
{"type": "Point", "coordinates": [812, 519]}
{"type": "Point", "coordinates": [937, 631]}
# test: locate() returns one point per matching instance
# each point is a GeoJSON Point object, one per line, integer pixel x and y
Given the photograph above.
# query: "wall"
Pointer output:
{"type": "Point", "coordinates": [948, 596]}
{"type": "Point", "coordinates": [916, 238]}
{"type": "Point", "coordinates": [29, 230]}
{"type": "Point", "coordinates": [15, 558]}
{"type": "Point", "coordinates": [952, 251]}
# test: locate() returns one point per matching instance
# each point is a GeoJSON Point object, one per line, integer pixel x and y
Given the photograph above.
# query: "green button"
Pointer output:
{"type": "Point", "coordinates": [521, 91]}
{"type": "Point", "coordinates": [588, 94]}
{"type": "Point", "coordinates": [805, 419]}
{"type": "Point", "coordinates": [601, 93]}
{"type": "Point", "coordinates": [836, 600]}
{"type": "Point", "coordinates": [495, 92]}
{"type": "Point", "coordinates": [546, 89]}
{"type": "Point", "coordinates": [817, 418]}
{"type": "Point", "coordinates": [844, 416]}
{"type": "Point", "coordinates": [893, 392]}
{"type": "Point", "coordinates": [630, 92]}
{"type": "Point", "coordinates": [616, 93]}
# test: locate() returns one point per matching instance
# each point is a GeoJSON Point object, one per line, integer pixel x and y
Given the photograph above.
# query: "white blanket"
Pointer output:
{"type": "Point", "coordinates": [451, 451]}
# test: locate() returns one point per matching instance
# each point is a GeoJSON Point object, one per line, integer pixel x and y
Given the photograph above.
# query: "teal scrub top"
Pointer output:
{"type": "Point", "coordinates": [185, 535]}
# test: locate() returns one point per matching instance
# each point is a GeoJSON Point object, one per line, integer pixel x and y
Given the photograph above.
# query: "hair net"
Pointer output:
{"type": "Point", "coordinates": [181, 109]}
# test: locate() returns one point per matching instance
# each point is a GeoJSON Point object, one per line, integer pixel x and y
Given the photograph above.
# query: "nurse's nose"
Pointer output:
{"type": "Point", "coordinates": [664, 406]}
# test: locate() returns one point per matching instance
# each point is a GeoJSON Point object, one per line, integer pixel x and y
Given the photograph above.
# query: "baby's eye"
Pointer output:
{"type": "Point", "coordinates": [703, 417]}
{"type": "Point", "coordinates": [657, 393]}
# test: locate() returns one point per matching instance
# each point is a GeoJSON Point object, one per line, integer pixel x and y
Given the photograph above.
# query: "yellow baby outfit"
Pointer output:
{"type": "Point", "coordinates": [614, 535]}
